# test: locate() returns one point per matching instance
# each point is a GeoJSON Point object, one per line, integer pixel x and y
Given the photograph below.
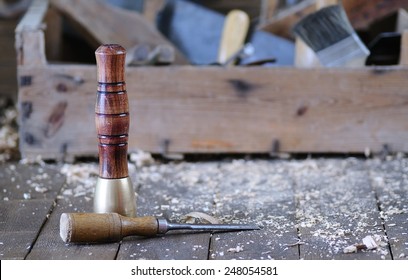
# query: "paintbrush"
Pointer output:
{"type": "Point", "coordinates": [329, 33]}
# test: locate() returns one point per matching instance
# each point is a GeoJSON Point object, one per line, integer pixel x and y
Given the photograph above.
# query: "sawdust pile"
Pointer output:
{"type": "Point", "coordinates": [81, 179]}
{"type": "Point", "coordinates": [8, 131]}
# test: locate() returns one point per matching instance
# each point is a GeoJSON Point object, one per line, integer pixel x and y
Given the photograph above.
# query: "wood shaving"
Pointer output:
{"type": "Point", "coordinates": [298, 242]}
{"type": "Point", "coordinates": [8, 131]}
{"type": "Point", "coordinates": [141, 159]}
{"type": "Point", "coordinates": [81, 178]}
{"type": "Point", "coordinates": [350, 249]}
{"type": "Point", "coordinates": [368, 243]}
{"type": "Point", "coordinates": [199, 217]}
{"type": "Point", "coordinates": [236, 249]}
{"type": "Point", "coordinates": [40, 189]}
{"type": "Point", "coordinates": [33, 160]}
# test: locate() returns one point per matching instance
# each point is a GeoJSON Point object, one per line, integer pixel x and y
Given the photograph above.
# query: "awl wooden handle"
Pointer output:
{"type": "Point", "coordinates": [100, 228]}
{"type": "Point", "coordinates": [112, 112]}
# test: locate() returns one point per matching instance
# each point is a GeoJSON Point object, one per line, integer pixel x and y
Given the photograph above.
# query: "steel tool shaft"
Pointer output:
{"type": "Point", "coordinates": [112, 227]}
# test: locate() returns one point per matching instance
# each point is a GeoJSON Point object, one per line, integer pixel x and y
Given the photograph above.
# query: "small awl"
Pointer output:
{"type": "Point", "coordinates": [112, 227]}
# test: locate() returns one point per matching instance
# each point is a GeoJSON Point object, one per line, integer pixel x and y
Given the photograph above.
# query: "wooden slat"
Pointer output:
{"type": "Point", "coordinates": [240, 111]}
{"type": "Point", "coordinates": [28, 193]}
{"type": "Point", "coordinates": [404, 48]}
{"type": "Point", "coordinates": [30, 46]}
{"type": "Point", "coordinates": [20, 223]}
{"type": "Point", "coordinates": [151, 8]}
{"type": "Point", "coordinates": [21, 181]}
{"type": "Point", "coordinates": [391, 185]}
{"type": "Point", "coordinates": [332, 202]}
{"type": "Point", "coordinates": [185, 246]}
{"type": "Point", "coordinates": [268, 10]}
{"type": "Point", "coordinates": [108, 24]}
{"type": "Point", "coordinates": [256, 192]}
{"type": "Point", "coordinates": [32, 20]}
{"type": "Point", "coordinates": [336, 208]}
{"type": "Point", "coordinates": [49, 244]}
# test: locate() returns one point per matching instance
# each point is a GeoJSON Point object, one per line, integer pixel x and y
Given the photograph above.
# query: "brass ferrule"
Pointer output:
{"type": "Point", "coordinates": [115, 196]}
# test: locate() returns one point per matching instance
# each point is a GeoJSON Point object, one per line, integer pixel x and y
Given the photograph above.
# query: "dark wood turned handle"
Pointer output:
{"type": "Point", "coordinates": [112, 112]}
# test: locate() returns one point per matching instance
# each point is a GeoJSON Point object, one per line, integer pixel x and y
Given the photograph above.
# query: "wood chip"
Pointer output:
{"type": "Point", "coordinates": [369, 242]}
{"type": "Point", "coordinates": [199, 217]}
{"type": "Point", "coordinates": [141, 159]}
{"type": "Point", "coordinates": [236, 249]}
{"type": "Point", "coordinates": [350, 249]}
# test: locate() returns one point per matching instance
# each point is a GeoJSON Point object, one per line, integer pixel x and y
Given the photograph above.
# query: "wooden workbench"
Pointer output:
{"type": "Point", "coordinates": [308, 209]}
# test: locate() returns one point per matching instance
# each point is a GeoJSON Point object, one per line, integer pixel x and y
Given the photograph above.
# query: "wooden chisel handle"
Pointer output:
{"type": "Point", "coordinates": [101, 228]}
{"type": "Point", "coordinates": [233, 35]}
{"type": "Point", "coordinates": [112, 112]}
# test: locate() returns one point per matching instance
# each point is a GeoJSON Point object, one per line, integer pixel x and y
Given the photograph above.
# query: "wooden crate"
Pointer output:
{"type": "Point", "coordinates": [188, 109]}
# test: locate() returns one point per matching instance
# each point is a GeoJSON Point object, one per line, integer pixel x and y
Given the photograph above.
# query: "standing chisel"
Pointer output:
{"type": "Point", "coordinates": [112, 227]}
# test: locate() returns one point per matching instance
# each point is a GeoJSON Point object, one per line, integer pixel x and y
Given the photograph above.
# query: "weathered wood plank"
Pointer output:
{"type": "Point", "coordinates": [173, 191]}
{"type": "Point", "coordinates": [336, 208]}
{"type": "Point", "coordinates": [49, 244]}
{"type": "Point", "coordinates": [404, 48]}
{"type": "Point", "coordinates": [23, 181]}
{"type": "Point", "coordinates": [27, 196]}
{"type": "Point", "coordinates": [256, 192]}
{"type": "Point", "coordinates": [390, 182]}
{"type": "Point", "coordinates": [29, 39]}
{"type": "Point", "coordinates": [20, 224]}
{"type": "Point", "coordinates": [241, 111]}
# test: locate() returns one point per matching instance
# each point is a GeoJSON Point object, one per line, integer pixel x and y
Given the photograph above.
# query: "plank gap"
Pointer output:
{"type": "Point", "coordinates": [209, 246]}
{"type": "Point", "coordinates": [41, 227]}
{"type": "Point", "coordinates": [380, 209]}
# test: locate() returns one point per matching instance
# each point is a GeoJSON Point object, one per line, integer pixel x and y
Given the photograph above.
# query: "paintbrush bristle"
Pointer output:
{"type": "Point", "coordinates": [324, 28]}
{"type": "Point", "coordinates": [329, 33]}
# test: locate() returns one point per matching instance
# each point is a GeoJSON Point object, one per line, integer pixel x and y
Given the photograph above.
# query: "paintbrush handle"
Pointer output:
{"type": "Point", "coordinates": [102, 228]}
{"type": "Point", "coordinates": [112, 112]}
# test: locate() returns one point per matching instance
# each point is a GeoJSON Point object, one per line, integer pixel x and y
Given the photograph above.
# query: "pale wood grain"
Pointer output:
{"type": "Point", "coordinates": [209, 109]}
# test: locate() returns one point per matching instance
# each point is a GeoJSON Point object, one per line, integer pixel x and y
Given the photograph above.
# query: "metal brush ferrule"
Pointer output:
{"type": "Point", "coordinates": [349, 52]}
